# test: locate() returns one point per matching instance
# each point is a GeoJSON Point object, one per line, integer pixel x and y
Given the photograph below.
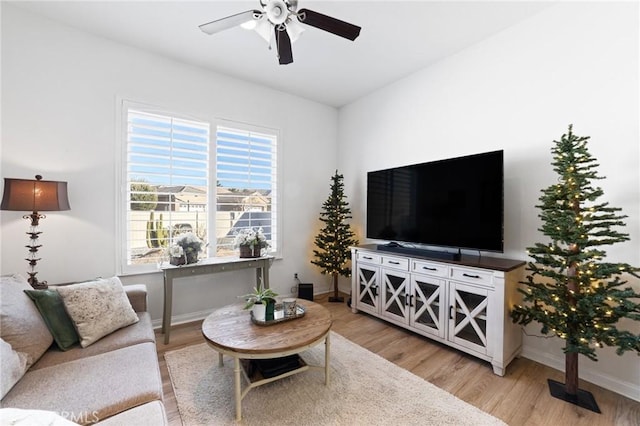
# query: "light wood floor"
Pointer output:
{"type": "Point", "coordinates": [521, 397]}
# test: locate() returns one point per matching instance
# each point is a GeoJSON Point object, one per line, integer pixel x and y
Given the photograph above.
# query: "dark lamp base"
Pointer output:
{"type": "Point", "coordinates": [582, 399]}
{"type": "Point", "coordinates": [336, 299]}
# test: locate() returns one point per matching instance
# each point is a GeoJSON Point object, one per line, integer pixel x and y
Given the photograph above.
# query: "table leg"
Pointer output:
{"type": "Point", "coordinates": [259, 279]}
{"type": "Point", "coordinates": [168, 302]}
{"type": "Point", "coordinates": [327, 357]}
{"type": "Point", "coordinates": [265, 273]}
{"type": "Point", "coordinates": [220, 360]}
{"type": "Point", "coordinates": [236, 370]}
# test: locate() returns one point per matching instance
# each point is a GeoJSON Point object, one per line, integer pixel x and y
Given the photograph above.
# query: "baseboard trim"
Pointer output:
{"type": "Point", "coordinates": [184, 318]}
{"type": "Point", "coordinates": [614, 384]}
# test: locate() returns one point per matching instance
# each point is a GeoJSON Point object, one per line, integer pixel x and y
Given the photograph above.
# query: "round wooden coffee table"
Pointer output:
{"type": "Point", "coordinates": [230, 331]}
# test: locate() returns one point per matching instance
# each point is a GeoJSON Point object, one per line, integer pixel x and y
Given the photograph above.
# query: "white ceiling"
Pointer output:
{"type": "Point", "coordinates": [397, 38]}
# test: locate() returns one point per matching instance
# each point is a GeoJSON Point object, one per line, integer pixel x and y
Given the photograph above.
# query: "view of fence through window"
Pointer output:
{"type": "Point", "coordinates": [169, 178]}
{"type": "Point", "coordinates": [245, 185]}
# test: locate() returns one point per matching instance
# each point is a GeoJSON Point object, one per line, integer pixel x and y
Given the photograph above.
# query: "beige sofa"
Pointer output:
{"type": "Point", "coordinates": [114, 381]}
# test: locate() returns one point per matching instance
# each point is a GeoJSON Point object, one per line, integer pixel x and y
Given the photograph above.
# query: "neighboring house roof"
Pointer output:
{"type": "Point", "coordinates": [228, 200]}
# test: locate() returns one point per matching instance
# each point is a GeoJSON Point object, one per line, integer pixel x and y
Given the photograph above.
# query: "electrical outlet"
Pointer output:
{"type": "Point", "coordinates": [295, 275]}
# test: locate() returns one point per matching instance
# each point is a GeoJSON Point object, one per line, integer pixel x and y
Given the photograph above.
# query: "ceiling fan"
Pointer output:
{"type": "Point", "coordinates": [280, 20]}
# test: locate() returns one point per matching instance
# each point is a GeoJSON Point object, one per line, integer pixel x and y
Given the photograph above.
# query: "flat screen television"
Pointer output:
{"type": "Point", "coordinates": [456, 202]}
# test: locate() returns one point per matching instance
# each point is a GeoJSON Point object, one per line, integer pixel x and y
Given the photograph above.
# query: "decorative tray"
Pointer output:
{"type": "Point", "coordinates": [278, 315]}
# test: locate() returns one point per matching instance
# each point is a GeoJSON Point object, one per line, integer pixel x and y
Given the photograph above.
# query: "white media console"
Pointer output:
{"type": "Point", "coordinates": [463, 303]}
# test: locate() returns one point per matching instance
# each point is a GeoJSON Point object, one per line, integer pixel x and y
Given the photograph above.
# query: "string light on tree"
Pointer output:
{"type": "Point", "coordinates": [336, 237]}
{"type": "Point", "coordinates": [587, 295]}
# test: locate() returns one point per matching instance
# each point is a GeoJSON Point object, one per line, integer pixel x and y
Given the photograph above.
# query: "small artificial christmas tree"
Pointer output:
{"type": "Point", "coordinates": [569, 289]}
{"type": "Point", "coordinates": [336, 237]}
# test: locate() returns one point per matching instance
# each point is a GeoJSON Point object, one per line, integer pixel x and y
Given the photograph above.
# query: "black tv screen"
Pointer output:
{"type": "Point", "coordinates": [457, 202]}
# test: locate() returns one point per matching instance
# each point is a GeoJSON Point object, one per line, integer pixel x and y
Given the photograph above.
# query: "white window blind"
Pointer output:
{"type": "Point", "coordinates": [246, 184]}
{"type": "Point", "coordinates": [167, 180]}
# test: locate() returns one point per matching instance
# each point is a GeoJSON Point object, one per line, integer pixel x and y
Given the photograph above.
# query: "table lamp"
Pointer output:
{"type": "Point", "coordinates": [35, 196]}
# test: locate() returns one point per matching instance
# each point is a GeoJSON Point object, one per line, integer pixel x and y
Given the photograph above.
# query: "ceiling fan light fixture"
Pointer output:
{"type": "Point", "coordinates": [281, 20]}
{"type": "Point", "coordinates": [264, 29]}
{"type": "Point", "coordinates": [294, 28]}
{"type": "Point", "coordinates": [277, 11]}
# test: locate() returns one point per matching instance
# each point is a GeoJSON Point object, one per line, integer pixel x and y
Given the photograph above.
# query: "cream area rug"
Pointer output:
{"type": "Point", "coordinates": [365, 389]}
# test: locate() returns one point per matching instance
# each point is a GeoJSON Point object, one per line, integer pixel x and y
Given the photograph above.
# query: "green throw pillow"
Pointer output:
{"type": "Point", "coordinates": [52, 309]}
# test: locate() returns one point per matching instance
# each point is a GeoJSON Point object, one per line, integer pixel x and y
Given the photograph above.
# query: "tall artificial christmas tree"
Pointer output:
{"type": "Point", "coordinates": [336, 237]}
{"type": "Point", "coordinates": [569, 289]}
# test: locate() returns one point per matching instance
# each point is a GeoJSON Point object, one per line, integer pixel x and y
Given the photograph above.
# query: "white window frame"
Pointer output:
{"type": "Point", "coordinates": [122, 198]}
{"type": "Point", "coordinates": [276, 249]}
{"type": "Point", "coordinates": [123, 105]}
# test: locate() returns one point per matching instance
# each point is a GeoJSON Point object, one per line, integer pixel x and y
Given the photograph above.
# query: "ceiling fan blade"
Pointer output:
{"type": "Point", "coordinates": [285, 55]}
{"type": "Point", "coordinates": [327, 23]}
{"type": "Point", "coordinates": [230, 21]}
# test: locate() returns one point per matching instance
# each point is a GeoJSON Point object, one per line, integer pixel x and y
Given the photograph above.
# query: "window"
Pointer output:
{"type": "Point", "coordinates": [177, 180]}
{"type": "Point", "coordinates": [246, 185]}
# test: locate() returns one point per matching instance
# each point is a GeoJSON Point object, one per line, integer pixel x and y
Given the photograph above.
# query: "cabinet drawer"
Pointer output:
{"type": "Point", "coordinates": [430, 268]}
{"type": "Point", "coordinates": [472, 276]}
{"type": "Point", "coordinates": [369, 258]}
{"type": "Point", "coordinates": [396, 263]}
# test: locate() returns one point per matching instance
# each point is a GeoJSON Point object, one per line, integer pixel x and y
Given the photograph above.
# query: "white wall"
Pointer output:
{"type": "Point", "coordinates": [60, 89]}
{"type": "Point", "coordinates": [572, 63]}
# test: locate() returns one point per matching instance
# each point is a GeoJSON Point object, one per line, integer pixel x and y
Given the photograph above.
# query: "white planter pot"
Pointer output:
{"type": "Point", "coordinates": [259, 311]}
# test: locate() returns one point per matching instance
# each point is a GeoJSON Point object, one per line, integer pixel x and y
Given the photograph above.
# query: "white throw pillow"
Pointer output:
{"type": "Point", "coordinates": [97, 308]}
{"type": "Point", "coordinates": [21, 324]}
{"type": "Point", "coordinates": [12, 367]}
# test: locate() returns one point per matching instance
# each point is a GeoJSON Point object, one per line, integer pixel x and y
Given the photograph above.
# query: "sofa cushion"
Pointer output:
{"type": "Point", "coordinates": [140, 332]}
{"type": "Point", "coordinates": [93, 388]}
{"type": "Point", "coordinates": [97, 308]}
{"type": "Point", "coordinates": [12, 367]}
{"type": "Point", "coordinates": [22, 326]}
{"type": "Point", "coordinates": [51, 307]}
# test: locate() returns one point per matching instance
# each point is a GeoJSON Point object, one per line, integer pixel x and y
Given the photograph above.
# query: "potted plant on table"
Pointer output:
{"type": "Point", "coordinates": [185, 249]}
{"type": "Point", "coordinates": [250, 241]}
{"type": "Point", "coordinates": [262, 302]}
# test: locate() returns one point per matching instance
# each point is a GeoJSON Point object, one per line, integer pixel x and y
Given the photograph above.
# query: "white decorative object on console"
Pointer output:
{"type": "Point", "coordinates": [464, 304]}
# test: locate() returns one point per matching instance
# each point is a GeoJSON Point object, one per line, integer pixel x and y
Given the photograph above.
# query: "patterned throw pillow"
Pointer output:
{"type": "Point", "coordinates": [97, 308]}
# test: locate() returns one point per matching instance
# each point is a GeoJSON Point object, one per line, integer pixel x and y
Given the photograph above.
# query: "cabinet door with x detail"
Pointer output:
{"type": "Point", "coordinates": [368, 295]}
{"type": "Point", "coordinates": [468, 307]}
{"type": "Point", "coordinates": [395, 296]}
{"type": "Point", "coordinates": [428, 305]}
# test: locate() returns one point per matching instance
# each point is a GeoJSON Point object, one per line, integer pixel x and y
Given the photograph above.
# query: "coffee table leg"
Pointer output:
{"type": "Point", "coordinates": [236, 370]}
{"type": "Point", "coordinates": [220, 360]}
{"type": "Point", "coordinates": [327, 357]}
